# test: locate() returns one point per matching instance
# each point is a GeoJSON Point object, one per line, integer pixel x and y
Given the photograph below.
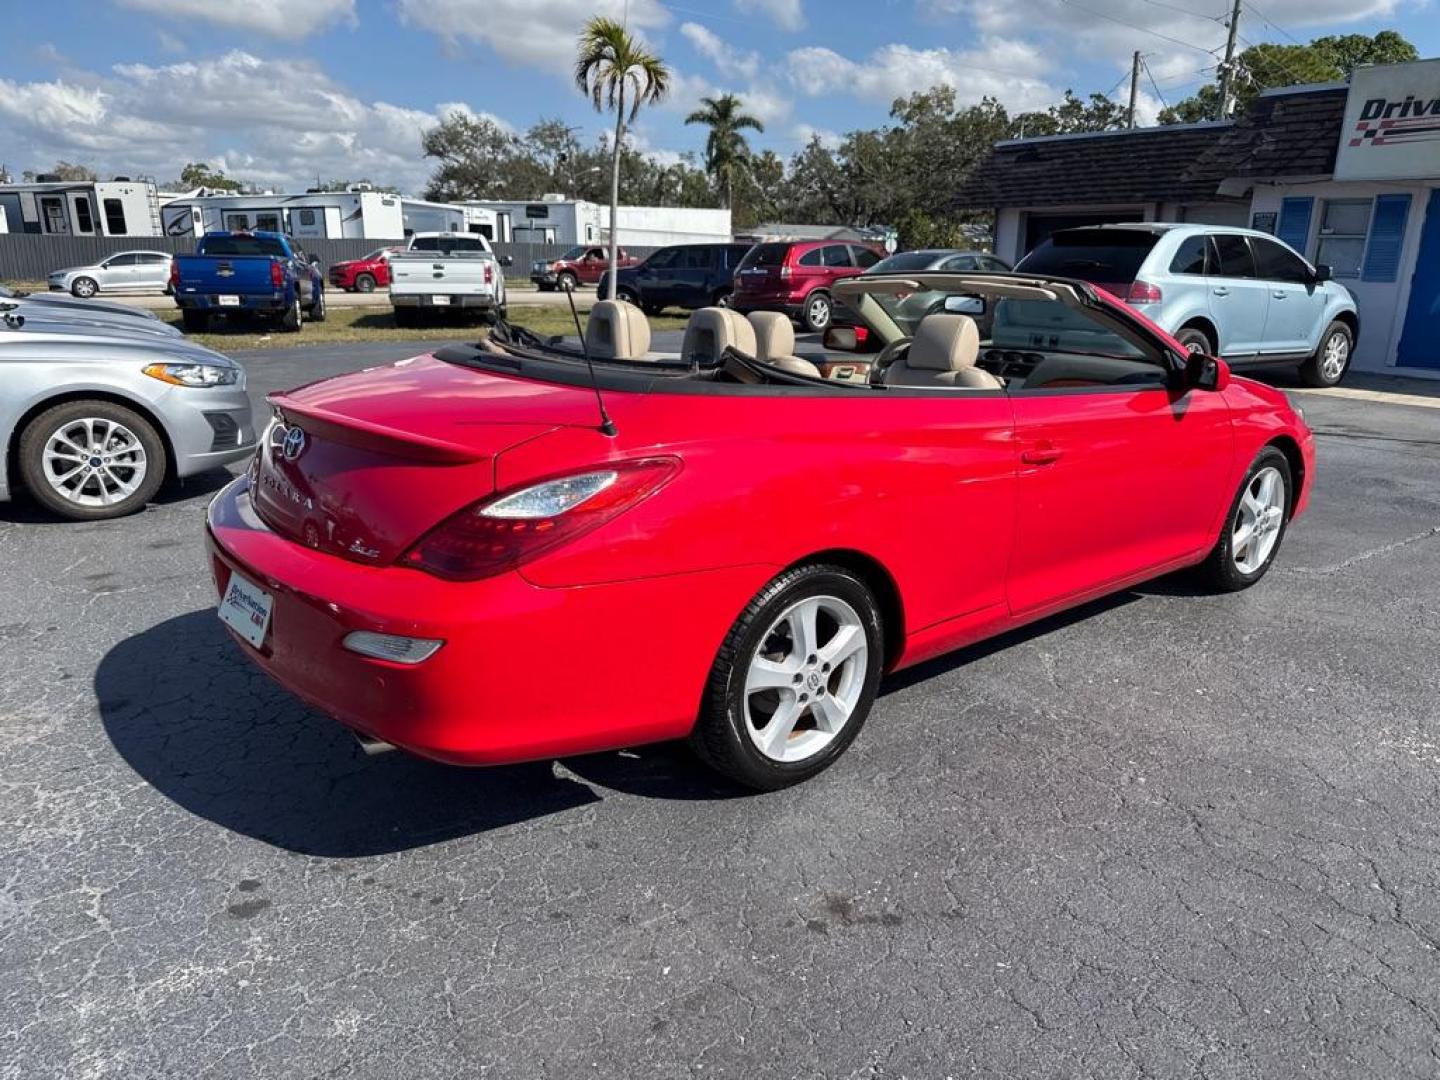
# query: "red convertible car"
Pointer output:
{"type": "Point", "coordinates": [496, 553]}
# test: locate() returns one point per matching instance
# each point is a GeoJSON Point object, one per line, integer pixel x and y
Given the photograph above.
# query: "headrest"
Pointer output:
{"type": "Point", "coordinates": [712, 330]}
{"type": "Point", "coordinates": [944, 342]}
{"type": "Point", "coordinates": [617, 331]}
{"type": "Point", "coordinates": [774, 334]}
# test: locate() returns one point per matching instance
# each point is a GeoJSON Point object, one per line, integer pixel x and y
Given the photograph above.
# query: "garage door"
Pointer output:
{"type": "Point", "coordinates": [1038, 227]}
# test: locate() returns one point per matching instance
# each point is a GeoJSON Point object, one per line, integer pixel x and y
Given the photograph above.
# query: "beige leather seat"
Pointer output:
{"type": "Point", "coordinates": [617, 331]}
{"type": "Point", "coordinates": [712, 330]}
{"type": "Point", "coordinates": [775, 343]}
{"type": "Point", "coordinates": [943, 354]}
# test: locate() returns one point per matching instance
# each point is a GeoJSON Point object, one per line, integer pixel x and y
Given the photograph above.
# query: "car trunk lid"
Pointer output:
{"type": "Point", "coordinates": [363, 465]}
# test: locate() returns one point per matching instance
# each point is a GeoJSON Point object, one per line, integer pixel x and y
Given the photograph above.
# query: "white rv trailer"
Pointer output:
{"type": "Point", "coordinates": [119, 207]}
{"type": "Point", "coordinates": [554, 219]}
{"type": "Point", "coordinates": [334, 215]}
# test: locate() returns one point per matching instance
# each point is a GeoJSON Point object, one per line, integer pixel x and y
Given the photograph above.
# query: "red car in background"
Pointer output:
{"type": "Point", "coordinates": [796, 277]}
{"type": "Point", "coordinates": [455, 556]}
{"type": "Point", "coordinates": [365, 274]}
{"type": "Point", "coordinates": [584, 264]}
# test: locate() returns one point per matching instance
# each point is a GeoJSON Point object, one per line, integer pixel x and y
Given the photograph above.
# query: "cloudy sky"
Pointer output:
{"type": "Point", "coordinates": [280, 92]}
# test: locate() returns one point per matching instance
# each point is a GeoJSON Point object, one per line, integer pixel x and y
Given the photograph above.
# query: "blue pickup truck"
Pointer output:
{"type": "Point", "coordinates": [248, 272]}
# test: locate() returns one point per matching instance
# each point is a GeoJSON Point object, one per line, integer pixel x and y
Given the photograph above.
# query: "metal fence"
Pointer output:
{"type": "Point", "coordinates": [32, 256]}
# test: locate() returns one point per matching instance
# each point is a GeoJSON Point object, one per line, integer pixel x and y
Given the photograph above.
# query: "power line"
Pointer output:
{"type": "Point", "coordinates": [1153, 84]}
{"type": "Point", "coordinates": [1139, 29]}
{"type": "Point", "coordinates": [1184, 11]}
{"type": "Point", "coordinates": [1272, 23]}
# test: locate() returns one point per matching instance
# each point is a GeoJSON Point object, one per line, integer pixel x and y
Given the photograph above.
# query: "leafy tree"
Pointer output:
{"type": "Point", "coordinates": [65, 170]}
{"type": "Point", "coordinates": [346, 185]}
{"type": "Point", "coordinates": [1072, 116]}
{"type": "Point", "coordinates": [198, 174]}
{"type": "Point", "coordinates": [726, 151]}
{"type": "Point", "coordinates": [608, 62]}
{"type": "Point", "coordinates": [472, 151]}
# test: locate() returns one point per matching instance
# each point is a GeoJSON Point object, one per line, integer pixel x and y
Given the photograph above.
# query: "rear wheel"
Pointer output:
{"type": "Point", "coordinates": [1330, 362]}
{"type": "Point", "coordinates": [1255, 525]}
{"type": "Point", "coordinates": [794, 680]}
{"type": "Point", "coordinates": [1195, 340]}
{"type": "Point", "coordinates": [627, 295]}
{"type": "Point", "coordinates": [290, 321]}
{"type": "Point", "coordinates": [317, 309]}
{"type": "Point", "coordinates": [84, 287]}
{"type": "Point", "coordinates": [817, 313]}
{"type": "Point", "coordinates": [88, 460]}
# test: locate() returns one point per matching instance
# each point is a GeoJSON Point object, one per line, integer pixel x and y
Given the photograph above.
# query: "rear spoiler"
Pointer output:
{"type": "Point", "coordinates": [368, 435]}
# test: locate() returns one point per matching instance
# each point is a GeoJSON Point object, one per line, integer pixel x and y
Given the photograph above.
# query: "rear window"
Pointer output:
{"type": "Point", "coordinates": [905, 262]}
{"type": "Point", "coordinates": [1104, 256]}
{"type": "Point", "coordinates": [241, 245]}
{"type": "Point", "coordinates": [767, 255]}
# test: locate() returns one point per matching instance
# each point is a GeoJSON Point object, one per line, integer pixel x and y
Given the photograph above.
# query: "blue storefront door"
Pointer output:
{"type": "Point", "coordinates": [1420, 340]}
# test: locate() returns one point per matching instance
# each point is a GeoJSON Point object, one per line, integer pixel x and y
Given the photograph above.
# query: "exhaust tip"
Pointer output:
{"type": "Point", "coordinates": [371, 745]}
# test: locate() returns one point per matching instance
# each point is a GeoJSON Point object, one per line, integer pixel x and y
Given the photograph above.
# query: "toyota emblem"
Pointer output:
{"type": "Point", "coordinates": [290, 441]}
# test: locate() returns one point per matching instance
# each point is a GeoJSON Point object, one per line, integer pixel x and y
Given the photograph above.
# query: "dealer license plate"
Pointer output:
{"type": "Point", "coordinates": [245, 608]}
{"type": "Point", "coordinates": [440, 301]}
{"type": "Point", "coordinates": [229, 301]}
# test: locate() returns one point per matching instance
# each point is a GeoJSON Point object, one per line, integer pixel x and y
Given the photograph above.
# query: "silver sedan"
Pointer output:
{"type": "Point", "coordinates": [94, 418]}
{"type": "Point", "coordinates": [126, 271]}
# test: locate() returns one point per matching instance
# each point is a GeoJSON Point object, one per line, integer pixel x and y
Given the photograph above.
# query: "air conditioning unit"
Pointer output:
{"type": "Point", "coordinates": [553, 196]}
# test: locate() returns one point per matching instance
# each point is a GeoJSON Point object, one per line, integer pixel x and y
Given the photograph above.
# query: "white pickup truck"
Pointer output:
{"type": "Point", "coordinates": [444, 271]}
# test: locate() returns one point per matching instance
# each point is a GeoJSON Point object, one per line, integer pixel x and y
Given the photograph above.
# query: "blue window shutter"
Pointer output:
{"type": "Point", "coordinates": [1295, 222]}
{"type": "Point", "coordinates": [1387, 236]}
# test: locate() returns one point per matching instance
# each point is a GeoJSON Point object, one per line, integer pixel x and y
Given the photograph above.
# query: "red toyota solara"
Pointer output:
{"type": "Point", "coordinates": [461, 556]}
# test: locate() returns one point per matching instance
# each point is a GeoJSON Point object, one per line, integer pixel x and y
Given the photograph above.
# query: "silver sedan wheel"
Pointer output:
{"type": "Point", "coordinates": [1258, 519]}
{"type": "Point", "coordinates": [1332, 359]}
{"type": "Point", "coordinates": [805, 678]}
{"type": "Point", "coordinates": [94, 462]}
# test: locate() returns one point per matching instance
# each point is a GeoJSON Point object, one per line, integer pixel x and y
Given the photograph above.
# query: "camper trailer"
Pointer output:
{"type": "Point", "coordinates": [54, 207]}
{"type": "Point", "coordinates": [358, 214]}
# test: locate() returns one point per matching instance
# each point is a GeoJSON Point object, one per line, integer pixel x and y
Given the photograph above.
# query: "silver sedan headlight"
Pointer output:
{"type": "Point", "coordinates": [194, 374]}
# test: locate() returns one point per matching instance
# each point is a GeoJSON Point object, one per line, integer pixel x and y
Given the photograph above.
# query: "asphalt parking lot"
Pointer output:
{"type": "Point", "coordinates": [1167, 835]}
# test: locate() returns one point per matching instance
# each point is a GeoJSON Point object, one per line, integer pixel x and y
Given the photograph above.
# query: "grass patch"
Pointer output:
{"type": "Point", "coordinates": [26, 286]}
{"type": "Point", "coordinates": [378, 324]}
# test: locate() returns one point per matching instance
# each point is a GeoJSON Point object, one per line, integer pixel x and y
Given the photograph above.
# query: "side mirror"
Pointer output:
{"type": "Point", "coordinates": [1206, 372]}
{"type": "Point", "coordinates": [965, 305]}
{"type": "Point", "coordinates": [841, 339]}
{"type": "Point", "coordinates": [1322, 274]}
{"type": "Point", "coordinates": [506, 260]}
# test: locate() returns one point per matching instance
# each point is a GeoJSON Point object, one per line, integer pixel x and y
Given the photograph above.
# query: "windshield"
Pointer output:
{"type": "Point", "coordinates": [1102, 256]}
{"type": "Point", "coordinates": [242, 245]}
{"type": "Point", "coordinates": [378, 253]}
{"type": "Point", "coordinates": [573, 254]}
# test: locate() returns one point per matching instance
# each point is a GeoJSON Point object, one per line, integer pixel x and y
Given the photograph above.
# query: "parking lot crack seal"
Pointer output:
{"type": "Point", "coordinates": [1364, 556]}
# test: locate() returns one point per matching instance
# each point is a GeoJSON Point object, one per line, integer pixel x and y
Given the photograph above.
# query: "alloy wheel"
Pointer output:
{"type": "Point", "coordinates": [818, 313]}
{"type": "Point", "coordinates": [1333, 359]}
{"type": "Point", "coordinates": [94, 462]}
{"type": "Point", "coordinates": [1258, 519]}
{"type": "Point", "coordinates": [84, 288]}
{"type": "Point", "coordinates": [805, 678]}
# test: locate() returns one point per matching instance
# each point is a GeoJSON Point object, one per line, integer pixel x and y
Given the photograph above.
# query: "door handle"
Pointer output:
{"type": "Point", "coordinates": [1044, 453]}
{"type": "Point", "coordinates": [1221, 292]}
{"type": "Point", "coordinates": [1279, 294]}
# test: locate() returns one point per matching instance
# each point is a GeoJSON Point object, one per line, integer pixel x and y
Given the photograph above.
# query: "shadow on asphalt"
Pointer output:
{"type": "Point", "coordinates": [211, 732]}
{"type": "Point", "coordinates": [25, 510]}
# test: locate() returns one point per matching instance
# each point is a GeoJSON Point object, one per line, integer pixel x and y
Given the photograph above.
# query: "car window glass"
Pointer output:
{"type": "Point", "coordinates": [1232, 254]}
{"type": "Point", "coordinates": [122, 260]}
{"type": "Point", "coordinates": [1191, 256]}
{"type": "Point", "coordinates": [812, 258]}
{"type": "Point", "coordinates": [241, 244]}
{"type": "Point", "coordinates": [960, 263]}
{"type": "Point", "coordinates": [663, 258]}
{"type": "Point", "coordinates": [697, 258]}
{"type": "Point", "coordinates": [767, 255]}
{"type": "Point", "coordinates": [595, 253]}
{"type": "Point", "coordinates": [836, 255]}
{"type": "Point", "coordinates": [153, 258]}
{"type": "Point", "coordinates": [1275, 262]}
{"type": "Point", "coordinates": [1103, 256]}
{"type": "Point", "coordinates": [864, 257]}
{"type": "Point", "coordinates": [994, 265]}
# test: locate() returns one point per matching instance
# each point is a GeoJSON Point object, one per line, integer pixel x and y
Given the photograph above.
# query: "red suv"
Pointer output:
{"type": "Point", "coordinates": [364, 274]}
{"type": "Point", "coordinates": [795, 276]}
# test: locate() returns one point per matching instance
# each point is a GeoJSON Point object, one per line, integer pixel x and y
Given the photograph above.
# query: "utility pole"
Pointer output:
{"type": "Point", "coordinates": [1134, 88]}
{"type": "Point", "coordinates": [1227, 69]}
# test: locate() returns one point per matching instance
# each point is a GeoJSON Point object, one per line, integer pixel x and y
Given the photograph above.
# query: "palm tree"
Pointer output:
{"type": "Point", "coordinates": [726, 150]}
{"type": "Point", "coordinates": [608, 64]}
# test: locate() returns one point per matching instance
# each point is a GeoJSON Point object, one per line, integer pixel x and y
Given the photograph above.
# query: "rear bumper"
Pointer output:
{"type": "Point", "coordinates": [447, 300]}
{"type": "Point", "coordinates": [525, 672]}
{"type": "Point", "coordinates": [549, 277]}
{"type": "Point", "coordinates": [746, 304]}
{"type": "Point", "coordinates": [272, 301]}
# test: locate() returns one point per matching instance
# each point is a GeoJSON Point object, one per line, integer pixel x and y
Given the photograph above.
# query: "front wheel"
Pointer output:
{"type": "Point", "coordinates": [627, 296]}
{"type": "Point", "coordinates": [1255, 525]}
{"type": "Point", "coordinates": [365, 283]}
{"type": "Point", "coordinates": [87, 460]}
{"type": "Point", "coordinates": [794, 679]}
{"type": "Point", "coordinates": [84, 288]}
{"type": "Point", "coordinates": [566, 282]}
{"type": "Point", "coordinates": [817, 312]}
{"type": "Point", "coordinates": [1330, 362]}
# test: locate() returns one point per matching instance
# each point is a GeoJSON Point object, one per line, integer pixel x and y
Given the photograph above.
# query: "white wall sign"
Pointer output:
{"type": "Point", "coordinates": [1392, 124]}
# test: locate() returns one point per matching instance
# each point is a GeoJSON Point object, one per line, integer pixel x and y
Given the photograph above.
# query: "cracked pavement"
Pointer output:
{"type": "Point", "coordinates": [1166, 835]}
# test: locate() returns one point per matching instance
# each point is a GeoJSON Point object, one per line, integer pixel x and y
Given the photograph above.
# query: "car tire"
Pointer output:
{"type": "Point", "coordinates": [317, 309]}
{"type": "Point", "coordinates": [721, 298]}
{"type": "Point", "coordinates": [627, 296]}
{"type": "Point", "coordinates": [130, 450]}
{"type": "Point", "coordinates": [194, 322]}
{"type": "Point", "coordinates": [773, 715]}
{"type": "Point", "coordinates": [652, 309]}
{"type": "Point", "coordinates": [567, 283]}
{"type": "Point", "coordinates": [291, 320]}
{"type": "Point", "coordinates": [1332, 359]}
{"type": "Point", "coordinates": [365, 283]}
{"type": "Point", "coordinates": [817, 312]}
{"type": "Point", "coordinates": [1195, 340]}
{"type": "Point", "coordinates": [84, 287]}
{"type": "Point", "coordinates": [1241, 556]}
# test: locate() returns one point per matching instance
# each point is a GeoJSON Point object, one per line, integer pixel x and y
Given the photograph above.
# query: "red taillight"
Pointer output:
{"type": "Point", "coordinates": [174, 273]}
{"type": "Point", "coordinates": [512, 528]}
{"type": "Point", "coordinates": [1142, 292]}
{"type": "Point", "coordinates": [489, 274]}
{"type": "Point", "coordinates": [277, 274]}
{"type": "Point", "coordinates": [785, 270]}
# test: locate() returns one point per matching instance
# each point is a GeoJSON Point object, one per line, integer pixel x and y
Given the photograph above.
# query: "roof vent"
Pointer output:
{"type": "Point", "coordinates": [120, 179]}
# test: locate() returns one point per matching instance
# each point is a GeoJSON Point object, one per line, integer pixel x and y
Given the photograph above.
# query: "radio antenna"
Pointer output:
{"type": "Point", "coordinates": [607, 426]}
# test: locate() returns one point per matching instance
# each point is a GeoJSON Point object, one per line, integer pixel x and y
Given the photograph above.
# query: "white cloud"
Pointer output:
{"type": "Point", "coordinates": [169, 42]}
{"type": "Point", "coordinates": [729, 61]}
{"type": "Point", "coordinates": [1012, 70]}
{"type": "Point", "coordinates": [273, 122]}
{"type": "Point", "coordinates": [803, 133]}
{"type": "Point", "coordinates": [787, 14]}
{"type": "Point", "coordinates": [274, 18]}
{"type": "Point", "coordinates": [540, 33]}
